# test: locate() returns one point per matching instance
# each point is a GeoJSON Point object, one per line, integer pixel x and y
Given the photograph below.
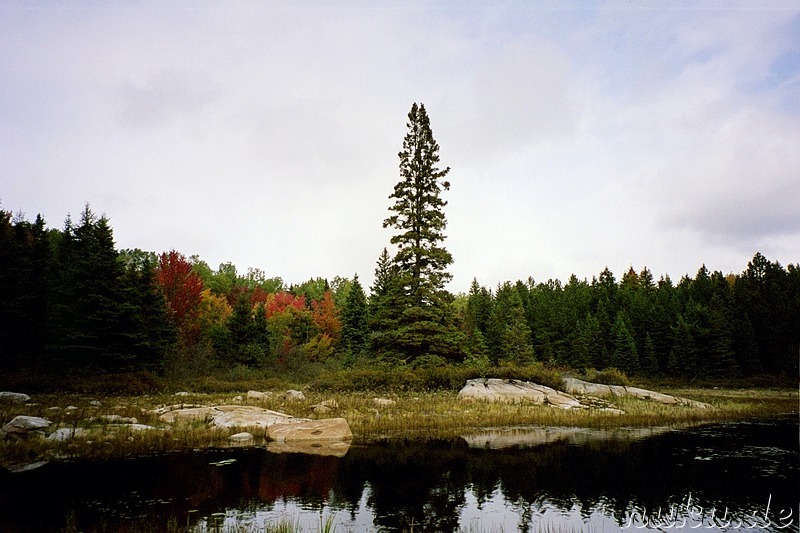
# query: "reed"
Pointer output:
{"type": "Point", "coordinates": [413, 415]}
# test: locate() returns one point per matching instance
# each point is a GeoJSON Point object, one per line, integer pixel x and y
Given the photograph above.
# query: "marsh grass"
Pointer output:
{"type": "Point", "coordinates": [414, 415]}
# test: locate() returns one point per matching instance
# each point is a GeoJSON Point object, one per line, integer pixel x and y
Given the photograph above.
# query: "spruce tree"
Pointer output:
{"type": "Point", "coordinates": [354, 319]}
{"type": "Point", "coordinates": [413, 317]}
{"type": "Point", "coordinates": [421, 259]}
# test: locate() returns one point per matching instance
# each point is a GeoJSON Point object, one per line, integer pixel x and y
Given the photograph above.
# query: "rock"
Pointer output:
{"type": "Point", "coordinates": [27, 467]}
{"type": "Point", "coordinates": [383, 402]}
{"type": "Point", "coordinates": [95, 403]}
{"type": "Point", "coordinates": [325, 406]}
{"type": "Point", "coordinates": [238, 399]}
{"type": "Point", "coordinates": [241, 438]}
{"type": "Point", "coordinates": [310, 430]}
{"type": "Point", "coordinates": [64, 434]}
{"type": "Point", "coordinates": [117, 419]}
{"type": "Point", "coordinates": [247, 416]}
{"type": "Point", "coordinates": [14, 397]}
{"type": "Point", "coordinates": [331, 448]}
{"type": "Point", "coordinates": [578, 386]}
{"type": "Point", "coordinates": [228, 416]}
{"type": "Point", "coordinates": [24, 425]}
{"type": "Point", "coordinates": [260, 396]}
{"type": "Point", "coordinates": [182, 393]}
{"type": "Point", "coordinates": [294, 396]}
{"type": "Point", "coordinates": [503, 390]}
{"type": "Point", "coordinates": [612, 410]}
{"type": "Point", "coordinates": [562, 400]}
{"type": "Point", "coordinates": [188, 414]}
{"type": "Point", "coordinates": [139, 427]}
{"type": "Point", "coordinates": [174, 407]}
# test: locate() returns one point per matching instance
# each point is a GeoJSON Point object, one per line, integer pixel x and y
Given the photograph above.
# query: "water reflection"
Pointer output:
{"type": "Point", "coordinates": [509, 481]}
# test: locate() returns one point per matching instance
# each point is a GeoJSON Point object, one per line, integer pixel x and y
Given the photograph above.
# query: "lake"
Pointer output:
{"type": "Point", "coordinates": [741, 476]}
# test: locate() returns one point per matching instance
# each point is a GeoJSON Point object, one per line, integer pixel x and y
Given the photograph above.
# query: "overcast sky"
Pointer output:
{"type": "Point", "coordinates": [580, 135]}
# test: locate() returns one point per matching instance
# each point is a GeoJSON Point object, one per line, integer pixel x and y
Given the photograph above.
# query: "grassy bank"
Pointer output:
{"type": "Point", "coordinates": [424, 405]}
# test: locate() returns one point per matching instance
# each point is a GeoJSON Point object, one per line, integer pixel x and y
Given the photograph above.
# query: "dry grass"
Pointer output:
{"type": "Point", "coordinates": [415, 415]}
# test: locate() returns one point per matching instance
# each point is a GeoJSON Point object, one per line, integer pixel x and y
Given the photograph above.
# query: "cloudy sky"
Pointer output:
{"type": "Point", "coordinates": [580, 135]}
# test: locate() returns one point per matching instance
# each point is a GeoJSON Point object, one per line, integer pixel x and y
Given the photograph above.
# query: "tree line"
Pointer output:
{"type": "Point", "coordinates": [71, 302]}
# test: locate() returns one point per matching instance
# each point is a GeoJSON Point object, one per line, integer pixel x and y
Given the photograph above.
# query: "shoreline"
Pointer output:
{"type": "Point", "coordinates": [124, 426]}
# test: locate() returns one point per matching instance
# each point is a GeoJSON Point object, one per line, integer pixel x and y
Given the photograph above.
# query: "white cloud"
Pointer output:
{"type": "Point", "coordinates": [267, 135]}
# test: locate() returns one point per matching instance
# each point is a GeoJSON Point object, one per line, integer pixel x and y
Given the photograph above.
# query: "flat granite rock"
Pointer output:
{"type": "Point", "coordinates": [15, 397]}
{"type": "Point", "coordinates": [325, 429]}
{"type": "Point", "coordinates": [23, 425]}
{"type": "Point", "coordinates": [578, 386]}
{"type": "Point", "coordinates": [228, 416]}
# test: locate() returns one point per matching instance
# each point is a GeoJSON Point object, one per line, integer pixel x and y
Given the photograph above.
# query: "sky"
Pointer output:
{"type": "Point", "coordinates": [580, 135]}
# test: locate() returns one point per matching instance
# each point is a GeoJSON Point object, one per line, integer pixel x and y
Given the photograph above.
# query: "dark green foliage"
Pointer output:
{"type": "Point", "coordinates": [429, 377]}
{"type": "Point", "coordinates": [507, 335]}
{"type": "Point", "coordinates": [77, 303]}
{"type": "Point", "coordinates": [411, 314]}
{"type": "Point", "coordinates": [624, 354]}
{"type": "Point", "coordinates": [418, 216]}
{"type": "Point", "coordinates": [354, 319]}
{"type": "Point", "coordinates": [24, 283]}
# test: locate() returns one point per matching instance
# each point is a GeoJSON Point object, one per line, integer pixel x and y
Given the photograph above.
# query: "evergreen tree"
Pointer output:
{"type": "Point", "coordinates": [476, 321]}
{"type": "Point", "coordinates": [354, 319]}
{"type": "Point", "coordinates": [413, 317]}
{"type": "Point", "coordinates": [89, 308]}
{"type": "Point", "coordinates": [153, 334]}
{"type": "Point", "coordinates": [682, 360]}
{"type": "Point", "coordinates": [508, 335]}
{"type": "Point", "coordinates": [25, 255]}
{"type": "Point", "coordinates": [624, 354]}
{"type": "Point", "coordinates": [418, 216]}
{"type": "Point", "coordinates": [384, 274]}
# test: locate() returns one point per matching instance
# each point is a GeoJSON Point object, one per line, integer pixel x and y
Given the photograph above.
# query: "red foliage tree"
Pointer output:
{"type": "Point", "coordinates": [183, 289]}
{"type": "Point", "coordinates": [326, 317]}
{"type": "Point", "coordinates": [281, 301]}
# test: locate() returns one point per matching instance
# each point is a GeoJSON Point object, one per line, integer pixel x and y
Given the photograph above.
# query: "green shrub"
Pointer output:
{"type": "Point", "coordinates": [608, 376]}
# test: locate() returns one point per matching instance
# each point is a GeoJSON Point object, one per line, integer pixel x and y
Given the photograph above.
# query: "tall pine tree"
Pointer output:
{"type": "Point", "coordinates": [421, 259]}
{"type": "Point", "coordinates": [415, 316]}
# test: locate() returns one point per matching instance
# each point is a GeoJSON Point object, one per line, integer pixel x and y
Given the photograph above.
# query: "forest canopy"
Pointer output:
{"type": "Point", "coordinates": [71, 302]}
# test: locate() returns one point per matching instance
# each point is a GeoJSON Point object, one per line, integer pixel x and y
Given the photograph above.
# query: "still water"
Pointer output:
{"type": "Point", "coordinates": [742, 476]}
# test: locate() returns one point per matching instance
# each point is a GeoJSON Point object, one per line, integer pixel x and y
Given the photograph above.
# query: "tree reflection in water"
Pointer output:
{"type": "Point", "coordinates": [428, 486]}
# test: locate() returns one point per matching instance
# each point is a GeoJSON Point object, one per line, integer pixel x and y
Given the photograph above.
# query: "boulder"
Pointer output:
{"type": "Point", "coordinates": [242, 416]}
{"type": "Point", "coordinates": [578, 386]}
{"type": "Point", "coordinates": [174, 407]}
{"type": "Point", "coordinates": [182, 393]}
{"type": "Point", "coordinates": [14, 397]}
{"type": "Point", "coordinates": [294, 396]}
{"type": "Point", "coordinates": [117, 419]}
{"type": "Point", "coordinates": [330, 448]}
{"type": "Point", "coordinates": [259, 396]}
{"type": "Point", "coordinates": [321, 409]}
{"type": "Point", "coordinates": [64, 434]}
{"type": "Point", "coordinates": [187, 414]}
{"type": "Point", "coordinates": [138, 427]}
{"type": "Point", "coordinates": [310, 430]}
{"type": "Point", "coordinates": [383, 402]}
{"type": "Point", "coordinates": [241, 438]}
{"type": "Point", "coordinates": [24, 425]}
{"type": "Point", "coordinates": [512, 390]}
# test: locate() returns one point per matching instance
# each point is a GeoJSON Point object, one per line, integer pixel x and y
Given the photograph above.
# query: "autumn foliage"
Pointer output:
{"type": "Point", "coordinates": [183, 290]}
